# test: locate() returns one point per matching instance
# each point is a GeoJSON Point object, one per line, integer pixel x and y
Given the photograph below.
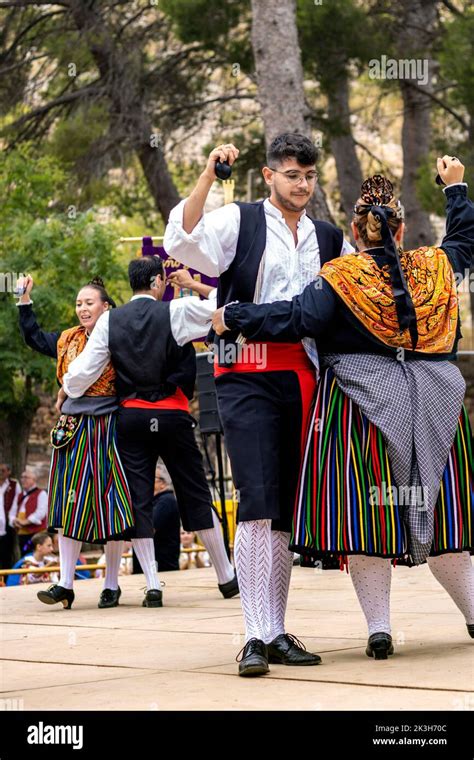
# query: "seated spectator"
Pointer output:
{"type": "Point", "coordinates": [42, 556]}
{"type": "Point", "coordinates": [126, 563]}
{"type": "Point", "coordinates": [166, 522]}
{"type": "Point", "coordinates": [9, 491]}
{"type": "Point", "coordinates": [188, 560]}
{"type": "Point", "coordinates": [29, 511]}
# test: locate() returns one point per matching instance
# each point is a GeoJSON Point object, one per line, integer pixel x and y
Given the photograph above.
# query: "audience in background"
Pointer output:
{"type": "Point", "coordinates": [29, 511]}
{"type": "Point", "coordinates": [42, 556]}
{"type": "Point", "coordinates": [187, 559]}
{"type": "Point", "coordinates": [9, 491]}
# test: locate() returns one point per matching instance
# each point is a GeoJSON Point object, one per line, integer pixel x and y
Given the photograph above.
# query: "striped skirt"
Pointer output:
{"type": "Point", "coordinates": [348, 502]}
{"type": "Point", "coordinates": [88, 491]}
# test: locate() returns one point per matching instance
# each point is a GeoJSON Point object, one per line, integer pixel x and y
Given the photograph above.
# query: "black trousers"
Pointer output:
{"type": "Point", "coordinates": [144, 435]}
{"type": "Point", "coordinates": [8, 548]}
{"type": "Point", "coordinates": [261, 414]}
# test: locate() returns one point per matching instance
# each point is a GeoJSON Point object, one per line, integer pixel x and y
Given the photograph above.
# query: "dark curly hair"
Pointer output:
{"type": "Point", "coordinates": [292, 145]}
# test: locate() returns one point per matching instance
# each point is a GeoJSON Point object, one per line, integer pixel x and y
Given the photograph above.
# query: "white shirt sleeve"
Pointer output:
{"type": "Point", "coordinates": [89, 365]}
{"type": "Point", "coordinates": [191, 318]}
{"type": "Point", "coordinates": [210, 248]}
{"type": "Point", "coordinates": [347, 248]}
{"type": "Point", "coordinates": [41, 510]}
{"type": "Point", "coordinates": [14, 507]}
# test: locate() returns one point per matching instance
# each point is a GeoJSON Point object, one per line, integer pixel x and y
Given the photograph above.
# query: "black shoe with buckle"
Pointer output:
{"type": "Point", "coordinates": [288, 650]}
{"type": "Point", "coordinates": [379, 646]}
{"type": "Point", "coordinates": [109, 597]}
{"type": "Point", "coordinates": [153, 598]}
{"type": "Point", "coordinates": [55, 594]}
{"type": "Point", "coordinates": [470, 629]}
{"type": "Point", "coordinates": [229, 589]}
{"type": "Point", "coordinates": [254, 660]}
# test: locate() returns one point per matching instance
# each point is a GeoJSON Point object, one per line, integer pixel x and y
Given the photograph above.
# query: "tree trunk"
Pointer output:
{"type": "Point", "coordinates": [349, 173]}
{"type": "Point", "coordinates": [279, 74]}
{"type": "Point", "coordinates": [120, 71]}
{"type": "Point", "coordinates": [415, 34]}
{"type": "Point", "coordinates": [159, 180]}
{"type": "Point", "coordinates": [14, 434]}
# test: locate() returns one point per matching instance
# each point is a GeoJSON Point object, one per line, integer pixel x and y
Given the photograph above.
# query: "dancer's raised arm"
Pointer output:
{"type": "Point", "coordinates": [34, 337]}
{"type": "Point", "coordinates": [206, 242]}
{"type": "Point", "coordinates": [458, 241]}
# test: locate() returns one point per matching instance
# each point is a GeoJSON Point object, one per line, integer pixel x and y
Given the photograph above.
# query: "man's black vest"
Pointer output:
{"type": "Point", "coordinates": [238, 282]}
{"type": "Point", "coordinates": [148, 361]}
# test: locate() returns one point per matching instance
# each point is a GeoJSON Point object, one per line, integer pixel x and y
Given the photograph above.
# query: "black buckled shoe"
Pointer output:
{"type": "Point", "coordinates": [229, 589]}
{"type": "Point", "coordinates": [379, 646]}
{"type": "Point", "coordinates": [55, 594]}
{"type": "Point", "coordinates": [153, 598]}
{"type": "Point", "coordinates": [286, 649]}
{"type": "Point", "coordinates": [109, 597]}
{"type": "Point", "coordinates": [254, 660]}
{"type": "Point", "coordinates": [470, 629]}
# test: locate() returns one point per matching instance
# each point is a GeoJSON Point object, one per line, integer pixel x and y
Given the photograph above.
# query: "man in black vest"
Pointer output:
{"type": "Point", "coordinates": [148, 341]}
{"type": "Point", "coordinates": [262, 252]}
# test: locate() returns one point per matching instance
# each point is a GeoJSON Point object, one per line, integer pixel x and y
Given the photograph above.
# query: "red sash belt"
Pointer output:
{"type": "Point", "coordinates": [177, 401]}
{"type": "Point", "coordinates": [268, 357]}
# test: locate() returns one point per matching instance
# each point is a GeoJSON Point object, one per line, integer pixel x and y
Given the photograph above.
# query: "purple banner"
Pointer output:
{"type": "Point", "coordinates": [171, 265]}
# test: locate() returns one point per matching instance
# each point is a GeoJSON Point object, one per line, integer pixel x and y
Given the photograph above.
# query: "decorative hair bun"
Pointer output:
{"type": "Point", "coordinates": [377, 191]}
{"type": "Point", "coordinates": [97, 281]}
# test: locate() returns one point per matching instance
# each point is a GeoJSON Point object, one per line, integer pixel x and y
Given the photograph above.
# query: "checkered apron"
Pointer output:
{"type": "Point", "coordinates": [416, 405]}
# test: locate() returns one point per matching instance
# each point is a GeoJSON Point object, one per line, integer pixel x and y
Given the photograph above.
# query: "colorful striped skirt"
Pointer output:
{"type": "Point", "coordinates": [348, 502]}
{"type": "Point", "coordinates": [88, 491]}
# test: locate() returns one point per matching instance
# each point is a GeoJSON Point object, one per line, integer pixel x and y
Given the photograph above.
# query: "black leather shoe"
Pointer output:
{"type": "Point", "coordinates": [470, 629]}
{"type": "Point", "coordinates": [379, 646]}
{"type": "Point", "coordinates": [55, 594]}
{"type": "Point", "coordinates": [288, 650]}
{"type": "Point", "coordinates": [153, 598]}
{"type": "Point", "coordinates": [254, 660]}
{"type": "Point", "coordinates": [229, 589]}
{"type": "Point", "coordinates": [109, 597]}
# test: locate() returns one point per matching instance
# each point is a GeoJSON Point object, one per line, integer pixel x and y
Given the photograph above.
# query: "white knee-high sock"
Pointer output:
{"type": "Point", "coordinates": [253, 561]}
{"type": "Point", "coordinates": [113, 557]}
{"type": "Point", "coordinates": [455, 573]}
{"type": "Point", "coordinates": [282, 563]}
{"type": "Point", "coordinates": [372, 577]}
{"type": "Point", "coordinates": [69, 550]}
{"type": "Point", "coordinates": [145, 551]}
{"type": "Point", "coordinates": [214, 542]}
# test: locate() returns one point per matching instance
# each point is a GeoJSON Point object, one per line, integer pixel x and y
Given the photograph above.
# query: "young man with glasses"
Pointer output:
{"type": "Point", "coordinates": [262, 252]}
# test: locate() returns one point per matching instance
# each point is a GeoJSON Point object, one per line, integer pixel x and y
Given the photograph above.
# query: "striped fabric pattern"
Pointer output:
{"type": "Point", "coordinates": [88, 491]}
{"type": "Point", "coordinates": [347, 500]}
{"type": "Point", "coordinates": [454, 514]}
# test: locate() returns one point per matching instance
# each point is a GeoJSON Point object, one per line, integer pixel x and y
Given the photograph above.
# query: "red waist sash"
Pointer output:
{"type": "Point", "coordinates": [268, 357]}
{"type": "Point", "coordinates": [177, 401]}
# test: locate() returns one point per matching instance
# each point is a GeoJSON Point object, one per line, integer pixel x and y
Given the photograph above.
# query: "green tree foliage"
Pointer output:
{"type": "Point", "coordinates": [62, 250]}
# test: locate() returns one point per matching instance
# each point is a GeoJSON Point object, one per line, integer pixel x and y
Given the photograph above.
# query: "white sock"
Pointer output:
{"type": "Point", "coordinates": [282, 563]}
{"type": "Point", "coordinates": [69, 550]}
{"type": "Point", "coordinates": [455, 573]}
{"type": "Point", "coordinates": [372, 577]}
{"type": "Point", "coordinates": [214, 542]}
{"type": "Point", "coordinates": [253, 561]}
{"type": "Point", "coordinates": [113, 558]}
{"type": "Point", "coordinates": [145, 551]}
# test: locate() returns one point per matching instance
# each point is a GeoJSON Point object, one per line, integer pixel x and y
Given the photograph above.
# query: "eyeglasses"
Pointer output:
{"type": "Point", "coordinates": [294, 178]}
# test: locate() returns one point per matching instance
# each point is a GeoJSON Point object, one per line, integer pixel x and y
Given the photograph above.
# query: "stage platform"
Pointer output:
{"type": "Point", "coordinates": [181, 657]}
